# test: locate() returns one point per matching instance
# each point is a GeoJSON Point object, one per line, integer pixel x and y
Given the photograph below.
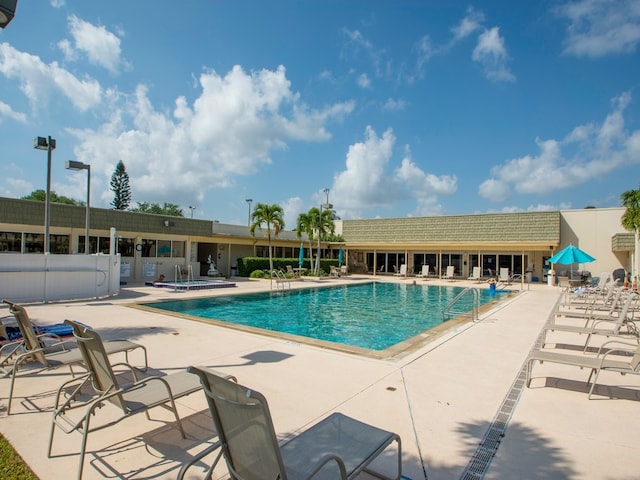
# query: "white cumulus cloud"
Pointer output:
{"type": "Point", "coordinates": [230, 129]}
{"type": "Point", "coordinates": [100, 46]}
{"type": "Point", "coordinates": [491, 53]}
{"type": "Point", "coordinates": [371, 180]}
{"type": "Point", "coordinates": [587, 152]}
{"type": "Point", "coordinates": [601, 27]}
{"type": "Point", "coordinates": [38, 80]}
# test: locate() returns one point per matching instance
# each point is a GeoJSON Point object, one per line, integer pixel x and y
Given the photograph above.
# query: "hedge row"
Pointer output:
{"type": "Point", "coordinates": [246, 265]}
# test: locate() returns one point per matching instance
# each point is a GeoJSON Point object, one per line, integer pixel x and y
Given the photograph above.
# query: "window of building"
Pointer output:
{"type": "Point", "coordinates": [93, 244]}
{"type": "Point", "coordinates": [10, 242]}
{"type": "Point", "coordinates": [126, 247]}
{"type": "Point", "coordinates": [59, 244]}
{"type": "Point", "coordinates": [177, 248]}
{"type": "Point", "coordinates": [34, 243]}
{"type": "Point", "coordinates": [149, 247]}
{"type": "Point", "coordinates": [162, 248]}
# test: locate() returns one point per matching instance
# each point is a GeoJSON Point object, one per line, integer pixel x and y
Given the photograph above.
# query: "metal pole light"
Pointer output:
{"type": "Point", "coordinates": [249, 200]}
{"type": "Point", "coordinates": [48, 144]}
{"type": "Point", "coordinates": [73, 165]}
{"type": "Point", "coordinates": [326, 206]}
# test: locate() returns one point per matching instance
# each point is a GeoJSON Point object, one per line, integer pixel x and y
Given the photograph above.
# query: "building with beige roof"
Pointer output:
{"type": "Point", "coordinates": [150, 244]}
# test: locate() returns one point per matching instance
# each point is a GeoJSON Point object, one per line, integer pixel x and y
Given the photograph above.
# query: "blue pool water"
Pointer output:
{"type": "Point", "coordinates": [371, 315]}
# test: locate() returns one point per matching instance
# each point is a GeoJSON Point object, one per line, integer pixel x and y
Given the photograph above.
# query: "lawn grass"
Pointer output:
{"type": "Point", "coordinates": [12, 467]}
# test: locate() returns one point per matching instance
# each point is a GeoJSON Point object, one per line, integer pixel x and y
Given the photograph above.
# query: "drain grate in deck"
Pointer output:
{"type": "Point", "coordinates": [481, 459]}
{"type": "Point", "coordinates": [488, 447]}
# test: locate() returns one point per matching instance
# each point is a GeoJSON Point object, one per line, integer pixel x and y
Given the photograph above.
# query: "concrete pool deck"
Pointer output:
{"type": "Point", "coordinates": [445, 399]}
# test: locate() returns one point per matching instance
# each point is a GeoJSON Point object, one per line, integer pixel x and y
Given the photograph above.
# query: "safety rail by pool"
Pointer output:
{"type": "Point", "coordinates": [448, 313]}
{"type": "Point", "coordinates": [280, 278]}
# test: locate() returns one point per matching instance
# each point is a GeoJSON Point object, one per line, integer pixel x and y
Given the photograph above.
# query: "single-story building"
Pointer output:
{"type": "Point", "coordinates": [151, 245]}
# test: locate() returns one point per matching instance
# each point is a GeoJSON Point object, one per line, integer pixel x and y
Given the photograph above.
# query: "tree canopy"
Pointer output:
{"type": "Point", "coordinates": [313, 223]}
{"type": "Point", "coordinates": [271, 215]}
{"type": "Point", "coordinates": [170, 209]}
{"type": "Point", "coordinates": [631, 217]}
{"type": "Point", "coordinates": [120, 187]}
{"type": "Point", "coordinates": [41, 196]}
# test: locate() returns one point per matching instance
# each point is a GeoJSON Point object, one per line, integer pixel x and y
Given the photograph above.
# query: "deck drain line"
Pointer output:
{"type": "Point", "coordinates": [488, 447]}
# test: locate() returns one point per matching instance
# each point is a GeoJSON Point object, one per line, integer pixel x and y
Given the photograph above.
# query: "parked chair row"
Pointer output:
{"type": "Point", "coordinates": [336, 447]}
{"type": "Point", "coordinates": [46, 350]}
{"type": "Point", "coordinates": [627, 354]}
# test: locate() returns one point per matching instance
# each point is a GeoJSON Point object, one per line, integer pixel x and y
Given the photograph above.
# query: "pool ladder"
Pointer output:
{"type": "Point", "coordinates": [280, 278]}
{"type": "Point", "coordinates": [449, 312]}
{"type": "Point", "coordinates": [178, 275]}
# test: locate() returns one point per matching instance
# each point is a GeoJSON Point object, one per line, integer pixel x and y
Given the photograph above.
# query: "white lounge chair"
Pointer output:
{"type": "Point", "coordinates": [476, 275]}
{"type": "Point", "coordinates": [450, 275]}
{"type": "Point", "coordinates": [424, 272]}
{"type": "Point", "coordinates": [402, 272]}
{"type": "Point", "coordinates": [609, 326]}
{"type": "Point", "coordinates": [601, 362]}
{"type": "Point", "coordinates": [504, 275]}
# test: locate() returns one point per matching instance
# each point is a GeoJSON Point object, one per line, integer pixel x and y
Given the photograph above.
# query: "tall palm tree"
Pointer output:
{"type": "Point", "coordinates": [271, 215]}
{"type": "Point", "coordinates": [312, 223]}
{"type": "Point", "coordinates": [305, 225]}
{"type": "Point", "coordinates": [631, 220]}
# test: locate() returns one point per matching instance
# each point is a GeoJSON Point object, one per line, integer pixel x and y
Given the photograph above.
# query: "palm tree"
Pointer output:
{"type": "Point", "coordinates": [312, 223]}
{"type": "Point", "coordinates": [631, 220]}
{"type": "Point", "coordinates": [272, 215]}
{"type": "Point", "coordinates": [305, 225]}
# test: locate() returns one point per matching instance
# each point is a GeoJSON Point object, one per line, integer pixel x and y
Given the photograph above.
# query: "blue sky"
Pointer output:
{"type": "Point", "coordinates": [400, 108]}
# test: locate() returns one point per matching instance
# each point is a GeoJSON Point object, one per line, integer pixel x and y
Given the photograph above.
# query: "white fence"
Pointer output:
{"type": "Point", "coordinates": [44, 278]}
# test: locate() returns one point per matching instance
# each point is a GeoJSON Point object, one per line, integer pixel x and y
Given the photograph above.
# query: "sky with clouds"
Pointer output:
{"type": "Point", "coordinates": [398, 108]}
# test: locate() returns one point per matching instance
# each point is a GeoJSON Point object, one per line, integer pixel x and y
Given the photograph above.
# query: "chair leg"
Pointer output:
{"type": "Point", "coordinates": [200, 456]}
{"type": "Point", "coordinates": [595, 380]}
{"type": "Point", "coordinates": [83, 447]}
{"type": "Point", "coordinates": [11, 385]}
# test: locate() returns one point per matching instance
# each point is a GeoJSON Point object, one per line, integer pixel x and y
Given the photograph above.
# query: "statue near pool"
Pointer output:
{"type": "Point", "coordinates": [213, 272]}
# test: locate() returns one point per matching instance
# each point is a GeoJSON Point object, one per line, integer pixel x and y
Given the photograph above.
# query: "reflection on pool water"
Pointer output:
{"type": "Point", "coordinates": [372, 315]}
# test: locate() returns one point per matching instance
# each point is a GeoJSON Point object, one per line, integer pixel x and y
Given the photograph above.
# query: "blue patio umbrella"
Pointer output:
{"type": "Point", "coordinates": [340, 256]}
{"type": "Point", "coordinates": [570, 255]}
{"type": "Point", "coordinates": [301, 256]}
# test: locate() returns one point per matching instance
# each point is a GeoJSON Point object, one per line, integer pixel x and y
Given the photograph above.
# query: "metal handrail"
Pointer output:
{"type": "Point", "coordinates": [449, 311]}
{"type": "Point", "coordinates": [281, 279]}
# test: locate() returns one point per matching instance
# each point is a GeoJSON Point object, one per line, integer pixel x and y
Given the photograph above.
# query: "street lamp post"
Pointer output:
{"type": "Point", "coordinates": [48, 144]}
{"type": "Point", "coordinates": [249, 200]}
{"type": "Point", "coordinates": [73, 165]}
{"type": "Point", "coordinates": [192, 209]}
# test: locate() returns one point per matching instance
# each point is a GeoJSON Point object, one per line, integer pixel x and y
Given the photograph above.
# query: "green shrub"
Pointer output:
{"type": "Point", "coordinates": [248, 265]}
{"type": "Point", "coordinates": [258, 274]}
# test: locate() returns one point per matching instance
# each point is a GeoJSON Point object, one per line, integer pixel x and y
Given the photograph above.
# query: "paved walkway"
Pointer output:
{"type": "Point", "coordinates": [446, 399]}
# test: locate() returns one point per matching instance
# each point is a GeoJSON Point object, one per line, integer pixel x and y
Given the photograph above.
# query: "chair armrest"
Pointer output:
{"type": "Point", "coordinates": [63, 345]}
{"type": "Point", "coordinates": [129, 367]}
{"type": "Point", "coordinates": [604, 349]}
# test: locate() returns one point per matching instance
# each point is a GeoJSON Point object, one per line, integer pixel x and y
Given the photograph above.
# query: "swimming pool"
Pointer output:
{"type": "Point", "coordinates": [373, 315]}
